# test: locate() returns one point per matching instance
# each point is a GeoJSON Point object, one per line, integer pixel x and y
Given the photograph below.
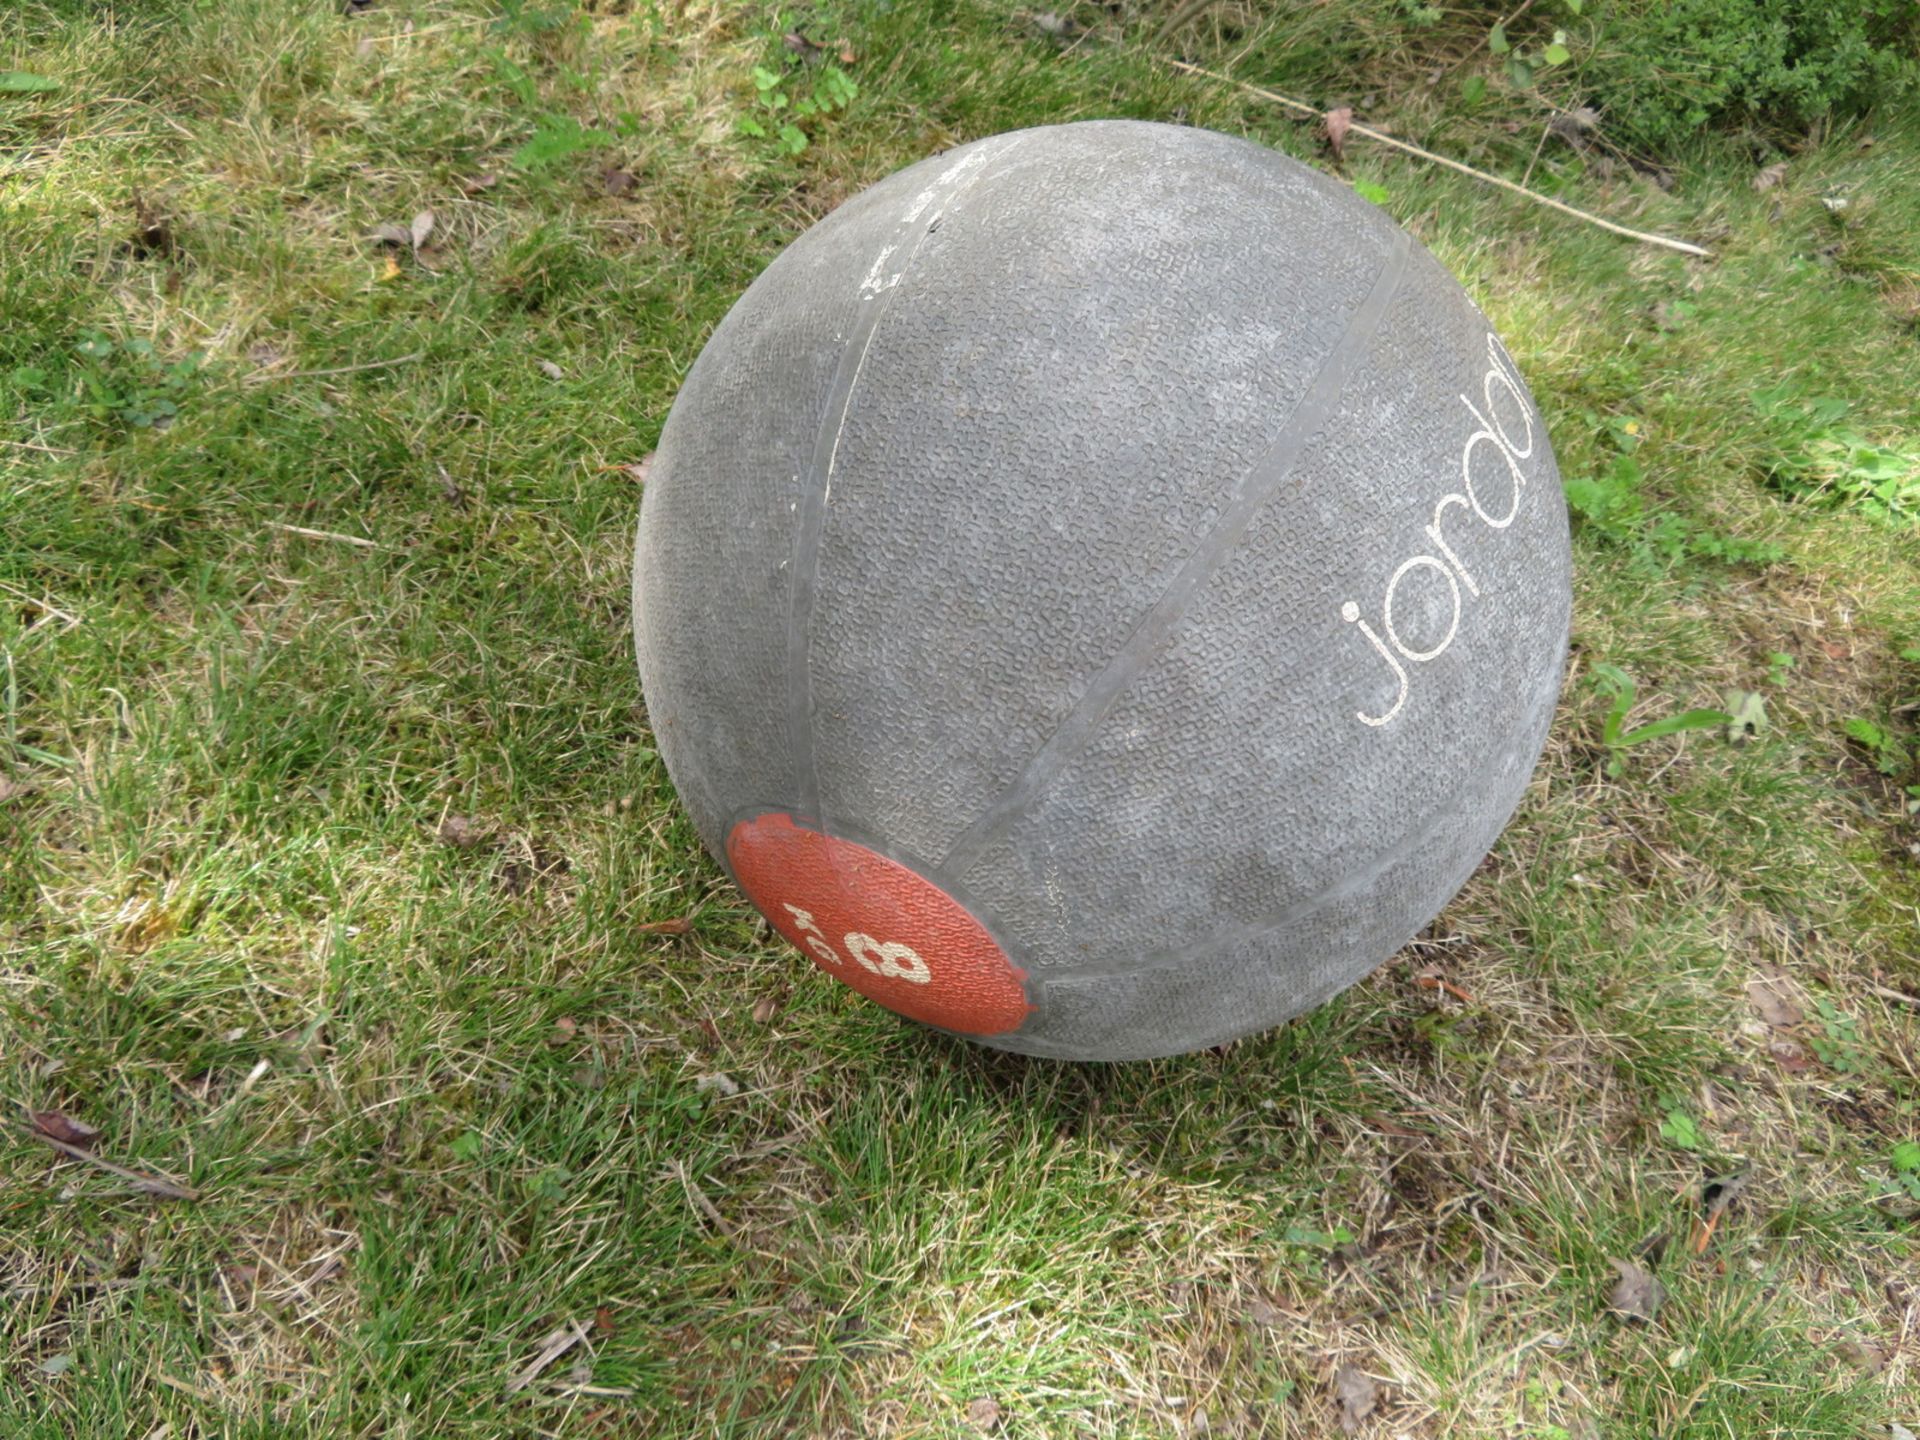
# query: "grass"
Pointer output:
{"type": "Point", "coordinates": [439, 1101]}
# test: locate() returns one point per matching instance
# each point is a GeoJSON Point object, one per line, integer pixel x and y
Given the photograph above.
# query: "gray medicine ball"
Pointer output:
{"type": "Point", "coordinates": [1102, 590]}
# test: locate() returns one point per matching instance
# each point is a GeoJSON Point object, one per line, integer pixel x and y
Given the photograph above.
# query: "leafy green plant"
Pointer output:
{"type": "Point", "coordinates": [1617, 738]}
{"type": "Point", "coordinates": [1661, 71]}
{"type": "Point", "coordinates": [1885, 749]}
{"type": "Point", "coordinates": [1611, 504]}
{"type": "Point", "coordinates": [1837, 1045]}
{"type": "Point", "coordinates": [1823, 457]}
{"type": "Point", "coordinates": [785, 101]}
{"type": "Point", "coordinates": [1680, 1129]}
{"type": "Point", "coordinates": [1523, 62]}
{"type": "Point", "coordinates": [21, 82]}
{"type": "Point", "coordinates": [115, 383]}
{"type": "Point", "coordinates": [557, 138]}
{"type": "Point", "coordinates": [1905, 1159]}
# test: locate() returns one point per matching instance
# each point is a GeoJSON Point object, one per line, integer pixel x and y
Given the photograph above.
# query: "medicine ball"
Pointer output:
{"type": "Point", "coordinates": [1102, 590]}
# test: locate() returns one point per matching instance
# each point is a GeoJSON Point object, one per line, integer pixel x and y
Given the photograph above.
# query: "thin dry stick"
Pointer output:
{"type": "Point", "coordinates": [551, 1349]}
{"type": "Point", "coordinates": [325, 535]}
{"type": "Point", "coordinates": [339, 369]}
{"type": "Point", "coordinates": [1300, 107]}
{"type": "Point", "coordinates": [152, 1184]}
{"type": "Point", "coordinates": [701, 1202]}
{"type": "Point", "coordinates": [1886, 993]}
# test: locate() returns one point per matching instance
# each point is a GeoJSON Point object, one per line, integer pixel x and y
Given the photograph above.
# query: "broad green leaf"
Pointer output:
{"type": "Point", "coordinates": [1367, 190]}
{"type": "Point", "coordinates": [19, 82]}
{"type": "Point", "coordinates": [1497, 40]}
{"type": "Point", "coordinates": [1679, 1129]}
{"type": "Point", "coordinates": [1749, 711]}
{"type": "Point", "coordinates": [1558, 54]}
{"type": "Point", "coordinates": [1674, 724]}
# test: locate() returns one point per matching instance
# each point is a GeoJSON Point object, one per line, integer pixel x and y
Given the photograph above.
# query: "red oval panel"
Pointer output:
{"type": "Point", "coordinates": [891, 934]}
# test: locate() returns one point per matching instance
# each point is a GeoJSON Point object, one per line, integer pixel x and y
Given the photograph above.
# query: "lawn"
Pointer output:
{"type": "Point", "coordinates": [455, 1093]}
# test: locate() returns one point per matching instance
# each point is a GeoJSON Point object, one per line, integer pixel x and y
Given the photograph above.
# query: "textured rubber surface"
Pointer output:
{"type": "Point", "coordinates": [1134, 538]}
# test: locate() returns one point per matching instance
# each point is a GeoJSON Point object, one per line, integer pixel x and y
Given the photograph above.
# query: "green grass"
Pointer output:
{"type": "Point", "coordinates": [439, 1102]}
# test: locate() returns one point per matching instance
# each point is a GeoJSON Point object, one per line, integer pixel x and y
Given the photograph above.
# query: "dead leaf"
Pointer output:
{"type": "Point", "coordinates": [724, 1084]}
{"type": "Point", "coordinates": [152, 231]}
{"type": "Point", "coordinates": [1339, 121]}
{"type": "Point", "coordinates": [1718, 1196]}
{"type": "Point", "coordinates": [516, 878]}
{"type": "Point", "coordinates": [710, 1034]}
{"type": "Point", "coordinates": [550, 370]}
{"type": "Point", "coordinates": [641, 468]}
{"type": "Point", "coordinates": [449, 490]}
{"type": "Point", "coordinates": [603, 1320]}
{"type": "Point", "coordinates": [1574, 126]}
{"type": "Point", "coordinates": [1357, 1393]}
{"type": "Point", "coordinates": [1790, 1057]}
{"type": "Point", "coordinates": [421, 228]}
{"type": "Point", "coordinates": [983, 1413]}
{"type": "Point", "coordinates": [680, 925]}
{"type": "Point", "coordinates": [847, 57]}
{"type": "Point", "coordinates": [58, 1125]}
{"type": "Point", "coordinates": [1264, 1313]}
{"type": "Point", "coordinates": [764, 1009]}
{"type": "Point", "coordinates": [391, 235]}
{"type": "Point", "coordinates": [616, 181]}
{"type": "Point", "coordinates": [1637, 1295]}
{"type": "Point", "coordinates": [1868, 1356]}
{"type": "Point", "coordinates": [474, 184]}
{"type": "Point", "coordinates": [564, 1031]}
{"type": "Point", "coordinates": [807, 50]}
{"type": "Point", "coordinates": [12, 789]}
{"type": "Point", "coordinates": [1767, 994]}
{"type": "Point", "coordinates": [1772, 175]}
{"type": "Point", "coordinates": [1393, 1127]}
{"type": "Point", "coordinates": [460, 832]}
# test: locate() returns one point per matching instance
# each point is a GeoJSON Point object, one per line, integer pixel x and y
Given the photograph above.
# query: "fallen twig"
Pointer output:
{"type": "Point", "coordinates": [151, 1184]}
{"type": "Point", "coordinates": [551, 1349]}
{"type": "Point", "coordinates": [1888, 993]}
{"type": "Point", "coordinates": [46, 607]}
{"type": "Point", "coordinates": [699, 1198]}
{"type": "Point", "coordinates": [325, 535]}
{"type": "Point", "coordinates": [1300, 107]}
{"type": "Point", "coordinates": [263, 377]}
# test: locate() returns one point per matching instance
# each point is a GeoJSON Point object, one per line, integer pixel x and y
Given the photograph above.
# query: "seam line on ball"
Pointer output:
{"type": "Point", "coordinates": [1157, 627]}
{"type": "Point", "coordinates": [874, 298]}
